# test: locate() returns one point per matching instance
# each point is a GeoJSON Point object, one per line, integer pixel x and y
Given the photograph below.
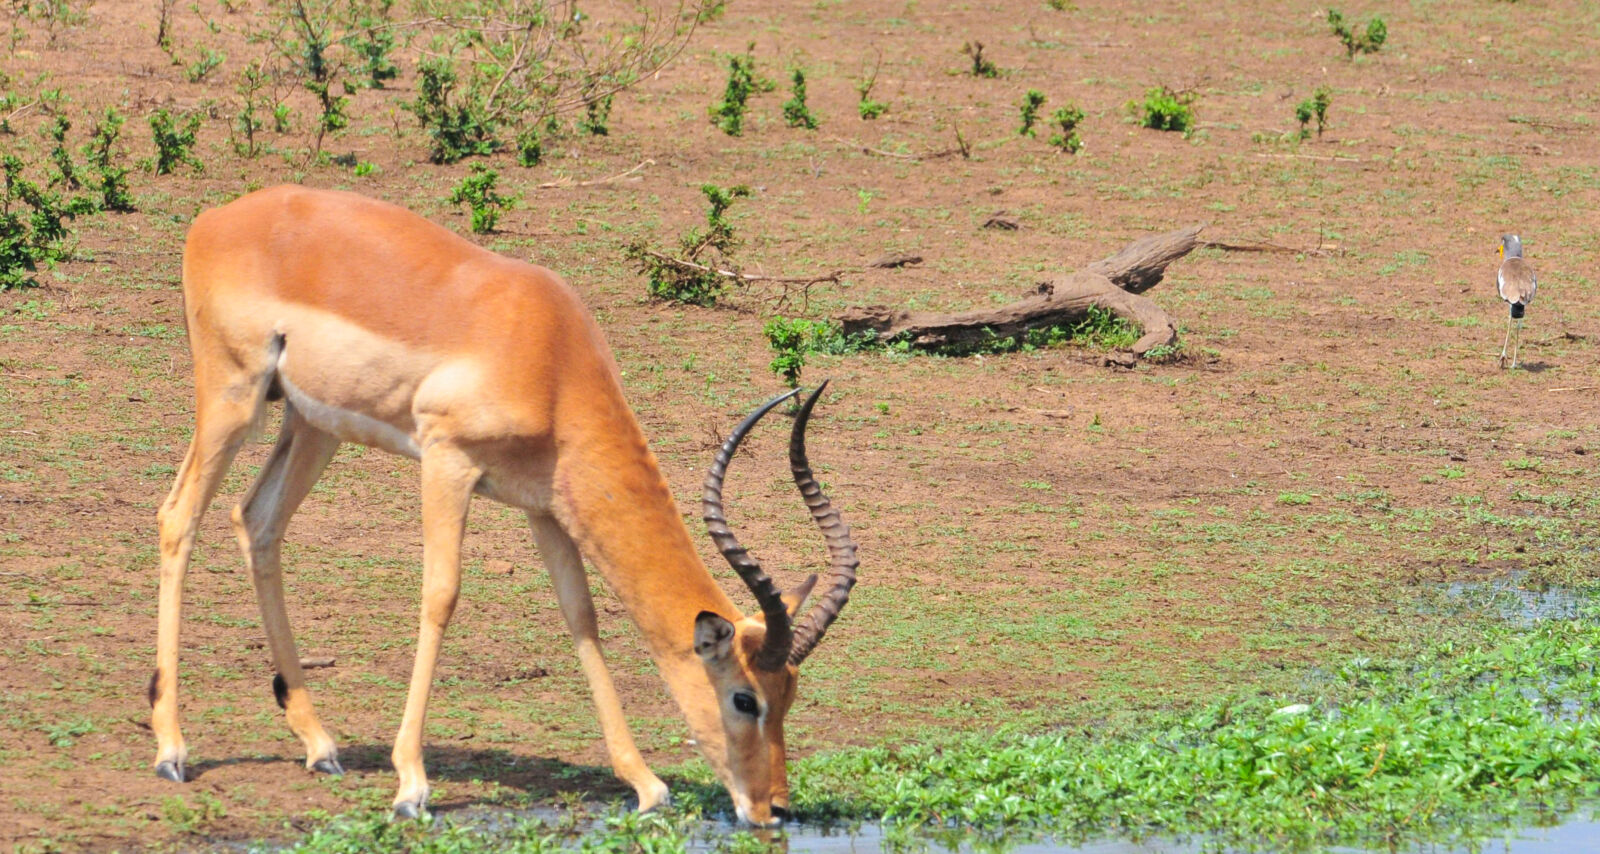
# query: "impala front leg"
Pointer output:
{"type": "Point", "coordinates": [577, 606]}
{"type": "Point", "coordinates": [448, 477]}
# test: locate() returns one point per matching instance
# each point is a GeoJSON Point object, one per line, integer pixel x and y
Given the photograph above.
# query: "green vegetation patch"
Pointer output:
{"type": "Point", "coordinates": [1448, 746]}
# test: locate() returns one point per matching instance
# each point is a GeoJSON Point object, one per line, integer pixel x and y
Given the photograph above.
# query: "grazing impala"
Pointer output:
{"type": "Point", "coordinates": [375, 326]}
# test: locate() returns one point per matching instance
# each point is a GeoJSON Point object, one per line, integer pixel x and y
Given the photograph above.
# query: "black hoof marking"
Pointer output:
{"type": "Point", "coordinates": [170, 770]}
{"type": "Point", "coordinates": [280, 690]}
{"type": "Point", "coordinates": [331, 767]}
{"type": "Point", "coordinates": [153, 690]}
{"type": "Point", "coordinates": [407, 810]}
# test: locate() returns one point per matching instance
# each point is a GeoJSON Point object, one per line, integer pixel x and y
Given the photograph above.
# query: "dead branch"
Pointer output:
{"type": "Point", "coordinates": [896, 259]}
{"type": "Point", "coordinates": [567, 183]}
{"type": "Point", "coordinates": [1115, 283]}
{"type": "Point", "coordinates": [1315, 251]}
{"type": "Point", "coordinates": [786, 285]}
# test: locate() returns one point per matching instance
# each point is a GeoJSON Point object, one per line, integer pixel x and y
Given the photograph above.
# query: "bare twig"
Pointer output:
{"type": "Point", "coordinates": [1262, 246]}
{"type": "Point", "coordinates": [565, 183]}
{"type": "Point", "coordinates": [1337, 157]}
{"type": "Point", "coordinates": [962, 147]}
{"type": "Point", "coordinates": [781, 298]}
{"type": "Point", "coordinates": [316, 661]}
{"type": "Point", "coordinates": [1575, 388]}
{"type": "Point", "coordinates": [743, 277]}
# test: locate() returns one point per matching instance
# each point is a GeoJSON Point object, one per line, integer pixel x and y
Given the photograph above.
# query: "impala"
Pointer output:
{"type": "Point", "coordinates": [376, 326]}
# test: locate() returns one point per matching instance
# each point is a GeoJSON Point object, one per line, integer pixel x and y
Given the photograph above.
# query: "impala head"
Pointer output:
{"type": "Point", "coordinates": [753, 662]}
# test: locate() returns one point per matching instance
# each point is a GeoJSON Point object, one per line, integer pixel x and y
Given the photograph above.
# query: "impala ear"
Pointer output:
{"type": "Point", "coordinates": [713, 637]}
{"type": "Point", "coordinates": [793, 599]}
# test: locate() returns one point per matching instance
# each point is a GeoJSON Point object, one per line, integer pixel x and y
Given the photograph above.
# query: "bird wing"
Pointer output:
{"type": "Point", "coordinates": [1517, 281]}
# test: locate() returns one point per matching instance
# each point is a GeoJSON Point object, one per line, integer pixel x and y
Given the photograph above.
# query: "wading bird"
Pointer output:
{"type": "Point", "coordinates": [1517, 284]}
{"type": "Point", "coordinates": [376, 326]}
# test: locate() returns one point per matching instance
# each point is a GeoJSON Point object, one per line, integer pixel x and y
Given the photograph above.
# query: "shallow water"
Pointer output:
{"type": "Point", "coordinates": [1515, 599]}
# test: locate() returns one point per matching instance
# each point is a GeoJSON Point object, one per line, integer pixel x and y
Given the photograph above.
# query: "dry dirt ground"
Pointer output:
{"type": "Point", "coordinates": [1045, 541]}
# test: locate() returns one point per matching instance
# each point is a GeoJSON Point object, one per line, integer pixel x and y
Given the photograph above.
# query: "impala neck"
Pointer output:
{"type": "Point", "coordinates": [612, 499]}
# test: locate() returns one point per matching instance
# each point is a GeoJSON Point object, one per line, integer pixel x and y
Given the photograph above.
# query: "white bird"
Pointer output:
{"type": "Point", "coordinates": [1517, 284]}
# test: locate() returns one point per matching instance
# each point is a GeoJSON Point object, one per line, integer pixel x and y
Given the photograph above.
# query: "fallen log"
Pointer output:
{"type": "Point", "coordinates": [1115, 283]}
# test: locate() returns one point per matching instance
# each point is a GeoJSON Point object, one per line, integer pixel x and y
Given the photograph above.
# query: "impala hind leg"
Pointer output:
{"type": "Point", "coordinates": [572, 591]}
{"type": "Point", "coordinates": [448, 477]}
{"type": "Point", "coordinates": [259, 520]}
{"type": "Point", "coordinates": [221, 426]}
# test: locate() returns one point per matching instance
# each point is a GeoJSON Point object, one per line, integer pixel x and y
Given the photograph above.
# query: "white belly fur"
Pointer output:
{"type": "Point", "coordinates": [350, 426]}
{"type": "Point", "coordinates": [351, 383]}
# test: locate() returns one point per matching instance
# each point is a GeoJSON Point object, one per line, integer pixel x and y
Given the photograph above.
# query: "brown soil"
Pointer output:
{"type": "Point", "coordinates": [1044, 540]}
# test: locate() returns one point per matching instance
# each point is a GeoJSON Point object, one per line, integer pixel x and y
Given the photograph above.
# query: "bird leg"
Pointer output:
{"type": "Point", "coordinates": [1505, 344]}
{"type": "Point", "coordinates": [1516, 344]}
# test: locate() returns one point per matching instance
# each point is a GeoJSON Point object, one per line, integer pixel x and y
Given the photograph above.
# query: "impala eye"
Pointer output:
{"type": "Point", "coordinates": [745, 702]}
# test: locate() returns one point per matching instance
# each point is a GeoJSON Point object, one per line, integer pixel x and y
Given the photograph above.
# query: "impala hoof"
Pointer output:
{"type": "Point", "coordinates": [170, 770]}
{"type": "Point", "coordinates": [406, 811]}
{"type": "Point", "coordinates": [331, 767]}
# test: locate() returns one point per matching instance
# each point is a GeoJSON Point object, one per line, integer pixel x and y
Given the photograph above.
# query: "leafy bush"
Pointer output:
{"type": "Point", "coordinates": [497, 68]}
{"type": "Point", "coordinates": [692, 277]}
{"type": "Point", "coordinates": [173, 143]}
{"type": "Point", "coordinates": [1031, 102]}
{"type": "Point", "coordinates": [1368, 41]}
{"type": "Point", "coordinates": [458, 125]}
{"type": "Point", "coordinates": [33, 230]}
{"type": "Point", "coordinates": [1164, 109]}
{"type": "Point", "coordinates": [1067, 119]}
{"type": "Point", "coordinates": [793, 338]}
{"type": "Point", "coordinates": [597, 111]}
{"type": "Point", "coordinates": [728, 113]}
{"type": "Point", "coordinates": [477, 191]}
{"type": "Point", "coordinates": [866, 107]}
{"type": "Point", "coordinates": [982, 66]}
{"type": "Point", "coordinates": [1316, 107]}
{"type": "Point", "coordinates": [114, 195]}
{"type": "Point", "coordinates": [795, 111]}
{"type": "Point", "coordinates": [530, 147]}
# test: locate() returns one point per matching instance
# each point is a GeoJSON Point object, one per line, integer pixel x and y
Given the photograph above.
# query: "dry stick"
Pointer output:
{"type": "Point", "coordinates": [744, 277]}
{"type": "Point", "coordinates": [1575, 388]}
{"type": "Point", "coordinates": [17, 113]}
{"type": "Point", "coordinates": [962, 148]}
{"type": "Point", "coordinates": [1225, 246]}
{"type": "Point", "coordinates": [1337, 157]}
{"type": "Point", "coordinates": [564, 183]}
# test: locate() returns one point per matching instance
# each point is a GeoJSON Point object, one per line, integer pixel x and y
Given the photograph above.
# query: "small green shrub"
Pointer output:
{"type": "Point", "coordinates": [1031, 102]}
{"type": "Point", "coordinates": [371, 40]}
{"type": "Point", "coordinates": [1368, 41]}
{"type": "Point", "coordinates": [33, 230]}
{"type": "Point", "coordinates": [795, 112]}
{"type": "Point", "coordinates": [1067, 119]}
{"type": "Point", "coordinates": [692, 276]}
{"type": "Point", "coordinates": [866, 107]}
{"type": "Point", "coordinates": [1164, 109]}
{"type": "Point", "coordinates": [1314, 107]}
{"type": "Point", "coordinates": [530, 147]}
{"type": "Point", "coordinates": [458, 125]}
{"type": "Point", "coordinates": [477, 191]}
{"type": "Point", "coordinates": [114, 194]}
{"type": "Point", "coordinates": [596, 114]}
{"type": "Point", "coordinates": [174, 144]}
{"type": "Point", "coordinates": [728, 113]}
{"type": "Point", "coordinates": [792, 339]}
{"type": "Point", "coordinates": [205, 63]}
{"type": "Point", "coordinates": [982, 66]}
{"type": "Point", "coordinates": [66, 171]}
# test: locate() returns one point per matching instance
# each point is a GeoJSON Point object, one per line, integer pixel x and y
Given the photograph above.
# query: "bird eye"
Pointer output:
{"type": "Point", "coordinates": [745, 702]}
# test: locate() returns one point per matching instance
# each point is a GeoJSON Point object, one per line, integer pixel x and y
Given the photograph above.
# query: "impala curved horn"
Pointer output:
{"type": "Point", "coordinates": [776, 648]}
{"type": "Point", "coordinates": [841, 548]}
